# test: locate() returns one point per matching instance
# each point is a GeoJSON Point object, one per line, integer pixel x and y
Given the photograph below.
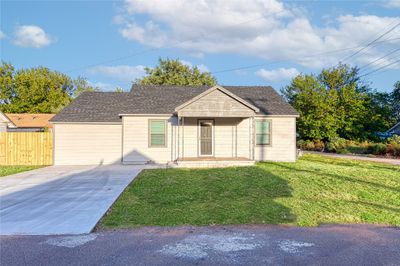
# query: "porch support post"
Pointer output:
{"type": "Point", "coordinates": [253, 137]}
{"type": "Point", "coordinates": [250, 142]}
{"type": "Point", "coordinates": [178, 140]}
{"type": "Point", "coordinates": [183, 137]}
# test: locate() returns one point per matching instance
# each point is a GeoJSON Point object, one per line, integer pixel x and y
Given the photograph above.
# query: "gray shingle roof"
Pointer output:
{"type": "Point", "coordinates": [106, 106]}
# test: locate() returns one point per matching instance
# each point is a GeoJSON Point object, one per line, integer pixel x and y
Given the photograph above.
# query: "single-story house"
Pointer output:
{"type": "Point", "coordinates": [25, 122]}
{"type": "Point", "coordinates": [395, 130]}
{"type": "Point", "coordinates": [5, 123]}
{"type": "Point", "coordinates": [178, 125]}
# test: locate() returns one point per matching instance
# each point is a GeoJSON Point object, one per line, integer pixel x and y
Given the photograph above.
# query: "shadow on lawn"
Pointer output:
{"type": "Point", "coordinates": [343, 177]}
{"type": "Point", "coordinates": [351, 162]}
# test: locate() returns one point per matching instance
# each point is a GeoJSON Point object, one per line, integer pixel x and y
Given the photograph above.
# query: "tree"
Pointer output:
{"type": "Point", "coordinates": [7, 73]}
{"type": "Point", "coordinates": [37, 90]}
{"type": "Point", "coordinates": [315, 105]}
{"type": "Point", "coordinates": [119, 89]}
{"type": "Point", "coordinates": [174, 72]}
{"type": "Point", "coordinates": [81, 85]}
{"type": "Point", "coordinates": [336, 103]}
{"type": "Point", "coordinates": [395, 96]}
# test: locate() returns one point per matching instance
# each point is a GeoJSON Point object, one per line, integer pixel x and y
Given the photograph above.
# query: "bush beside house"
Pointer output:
{"type": "Point", "coordinates": [391, 147]}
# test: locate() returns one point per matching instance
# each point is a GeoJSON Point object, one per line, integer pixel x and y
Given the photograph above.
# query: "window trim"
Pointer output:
{"type": "Point", "coordinates": [165, 133]}
{"type": "Point", "coordinates": [269, 133]}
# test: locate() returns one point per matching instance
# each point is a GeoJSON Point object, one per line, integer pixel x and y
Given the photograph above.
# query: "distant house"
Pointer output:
{"type": "Point", "coordinates": [188, 126]}
{"type": "Point", "coordinates": [25, 122]}
{"type": "Point", "coordinates": [395, 130]}
{"type": "Point", "coordinates": [5, 123]}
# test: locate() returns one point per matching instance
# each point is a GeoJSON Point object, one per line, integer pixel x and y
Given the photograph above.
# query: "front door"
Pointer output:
{"type": "Point", "coordinates": [206, 131]}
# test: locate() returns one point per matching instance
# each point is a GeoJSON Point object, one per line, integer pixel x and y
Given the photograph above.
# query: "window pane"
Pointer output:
{"type": "Point", "coordinates": [262, 127]}
{"type": "Point", "coordinates": [262, 139]}
{"type": "Point", "coordinates": [157, 139]}
{"type": "Point", "coordinates": [157, 127]}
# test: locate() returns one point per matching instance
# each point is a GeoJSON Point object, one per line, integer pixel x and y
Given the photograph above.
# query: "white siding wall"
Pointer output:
{"type": "Point", "coordinates": [225, 130]}
{"type": "Point", "coordinates": [216, 104]}
{"type": "Point", "coordinates": [3, 127]}
{"type": "Point", "coordinates": [136, 141]}
{"type": "Point", "coordinates": [283, 145]}
{"type": "Point", "coordinates": [87, 144]}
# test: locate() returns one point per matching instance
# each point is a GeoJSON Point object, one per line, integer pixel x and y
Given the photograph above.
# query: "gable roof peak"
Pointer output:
{"type": "Point", "coordinates": [223, 90]}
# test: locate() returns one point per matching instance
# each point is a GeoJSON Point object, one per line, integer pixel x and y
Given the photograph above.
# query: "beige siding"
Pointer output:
{"type": "Point", "coordinates": [283, 141]}
{"type": "Point", "coordinates": [231, 137]}
{"type": "Point", "coordinates": [3, 127]}
{"type": "Point", "coordinates": [87, 144]}
{"type": "Point", "coordinates": [216, 104]}
{"type": "Point", "coordinates": [136, 141]}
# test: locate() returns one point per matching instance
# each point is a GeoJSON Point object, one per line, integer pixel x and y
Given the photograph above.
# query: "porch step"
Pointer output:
{"type": "Point", "coordinates": [211, 163]}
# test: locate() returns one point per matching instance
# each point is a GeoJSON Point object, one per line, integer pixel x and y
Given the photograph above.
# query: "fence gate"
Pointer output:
{"type": "Point", "coordinates": [26, 148]}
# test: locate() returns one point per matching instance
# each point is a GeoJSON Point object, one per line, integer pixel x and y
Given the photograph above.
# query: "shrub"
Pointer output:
{"type": "Point", "coordinates": [395, 139]}
{"type": "Point", "coordinates": [343, 151]}
{"type": "Point", "coordinates": [337, 144]}
{"type": "Point", "coordinates": [319, 145]}
{"type": "Point", "coordinates": [358, 149]}
{"type": "Point", "coordinates": [378, 149]}
{"type": "Point", "coordinates": [309, 145]}
{"type": "Point", "coordinates": [393, 149]}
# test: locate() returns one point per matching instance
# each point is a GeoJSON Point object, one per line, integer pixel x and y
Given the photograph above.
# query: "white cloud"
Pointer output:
{"type": "Point", "coordinates": [102, 86]}
{"type": "Point", "coordinates": [279, 74]}
{"type": "Point", "coordinates": [31, 36]}
{"type": "Point", "coordinates": [392, 4]}
{"type": "Point", "coordinates": [201, 67]}
{"type": "Point", "coordinates": [266, 29]}
{"type": "Point", "coordinates": [2, 35]}
{"type": "Point", "coordinates": [121, 72]}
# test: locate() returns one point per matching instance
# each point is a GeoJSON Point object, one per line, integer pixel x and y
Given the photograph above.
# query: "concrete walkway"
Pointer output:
{"type": "Point", "coordinates": [215, 245]}
{"type": "Point", "coordinates": [60, 199]}
{"type": "Point", "coordinates": [357, 157]}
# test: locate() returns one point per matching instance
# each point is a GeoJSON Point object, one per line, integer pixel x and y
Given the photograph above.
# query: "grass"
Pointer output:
{"type": "Point", "coordinates": [9, 170]}
{"type": "Point", "coordinates": [312, 191]}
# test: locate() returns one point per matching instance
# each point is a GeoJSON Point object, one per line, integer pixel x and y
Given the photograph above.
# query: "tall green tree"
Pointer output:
{"type": "Point", "coordinates": [174, 72]}
{"type": "Point", "coordinates": [37, 90]}
{"type": "Point", "coordinates": [336, 103]}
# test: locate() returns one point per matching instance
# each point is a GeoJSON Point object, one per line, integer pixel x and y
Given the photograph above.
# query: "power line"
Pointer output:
{"type": "Point", "coordinates": [383, 67]}
{"type": "Point", "coordinates": [372, 42]}
{"type": "Point", "coordinates": [380, 58]}
{"type": "Point", "coordinates": [288, 60]}
{"type": "Point", "coordinates": [160, 48]}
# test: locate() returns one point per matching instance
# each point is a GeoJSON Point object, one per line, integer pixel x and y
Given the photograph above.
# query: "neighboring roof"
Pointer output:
{"type": "Point", "coordinates": [30, 120]}
{"type": "Point", "coordinates": [394, 128]}
{"type": "Point", "coordinates": [106, 106]}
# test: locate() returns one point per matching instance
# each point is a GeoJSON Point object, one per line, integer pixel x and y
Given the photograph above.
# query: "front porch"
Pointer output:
{"type": "Point", "coordinates": [215, 129]}
{"type": "Point", "coordinates": [212, 162]}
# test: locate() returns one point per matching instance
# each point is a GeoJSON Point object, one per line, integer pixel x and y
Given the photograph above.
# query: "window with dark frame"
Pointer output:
{"type": "Point", "coordinates": [263, 132]}
{"type": "Point", "coordinates": [157, 133]}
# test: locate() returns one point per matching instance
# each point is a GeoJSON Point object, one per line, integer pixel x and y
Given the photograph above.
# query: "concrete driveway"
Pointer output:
{"type": "Point", "coordinates": [60, 199]}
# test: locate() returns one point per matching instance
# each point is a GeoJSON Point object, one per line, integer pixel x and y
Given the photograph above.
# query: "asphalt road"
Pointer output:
{"type": "Point", "coordinates": [228, 245]}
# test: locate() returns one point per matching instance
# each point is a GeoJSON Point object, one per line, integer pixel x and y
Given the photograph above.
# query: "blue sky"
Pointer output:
{"type": "Point", "coordinates": [249, 42]}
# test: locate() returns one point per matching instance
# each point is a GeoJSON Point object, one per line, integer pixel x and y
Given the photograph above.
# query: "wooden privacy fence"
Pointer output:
{"type": "Point", "coordinates": [26, 148]}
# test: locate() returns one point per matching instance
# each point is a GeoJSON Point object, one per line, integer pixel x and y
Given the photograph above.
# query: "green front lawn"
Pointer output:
{"type": "Point", "coordinates": [312, 191]}
{"type": "Point", "coordinates": [9, 170]}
